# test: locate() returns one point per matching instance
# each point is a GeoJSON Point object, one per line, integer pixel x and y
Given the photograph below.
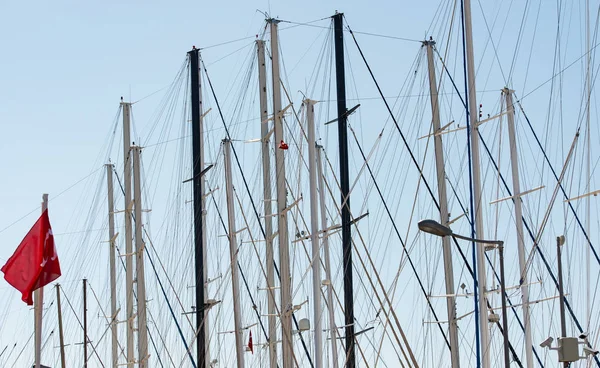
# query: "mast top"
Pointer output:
{"type": "Point", "coordinates": [429, 42]}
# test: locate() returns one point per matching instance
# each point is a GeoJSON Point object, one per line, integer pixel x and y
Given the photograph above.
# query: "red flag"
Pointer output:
{"type": "Point", "coordinates": [250, 347]}
{"type": "Point", "coordinates": [35, 262]}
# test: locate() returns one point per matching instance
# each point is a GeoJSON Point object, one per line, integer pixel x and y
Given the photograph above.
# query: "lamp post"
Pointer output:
{"type": "Point", "coordinates": [435, 228]}
{"type": "Point", "coordinates": [568, 346]}
{"type": "Point", "coordinates": [560, 241]}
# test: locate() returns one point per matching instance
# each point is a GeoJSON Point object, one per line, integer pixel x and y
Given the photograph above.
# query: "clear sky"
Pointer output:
{"type": "Point", "coordinates": [66, 64]}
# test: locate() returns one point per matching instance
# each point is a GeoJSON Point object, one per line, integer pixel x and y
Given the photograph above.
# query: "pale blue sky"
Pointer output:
{"type": "Point", "coordinates": [65, 65]}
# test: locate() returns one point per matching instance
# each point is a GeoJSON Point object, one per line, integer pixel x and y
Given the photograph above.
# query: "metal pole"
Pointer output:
{"type": "Point", "coordinates": [113, 272]}
{"type": "Point", "coordinates": [38, 307]}
{"type": "Point", "coordinates": [504, 313]}
{"type": "Point", "coordinates": [128, 231]}
{"type": "Point", "coordinates": [60, 328]}
{"type": "Point", "coordinates": [139, 263]}
{"type": "Point", "coordinates": [588, 161]}
{"type": "Point", "coordinates": [345, 187]}
{"type": "Point", "coordinates": [199, 248]}
{"type": "Point", "coordinates": [473, 116]}
{"type": "Point", "coordinates": [563, 323]}
{"type": "Point", "coordinates": [330, 305]}
{"type": "Point", "coordinates": [523, 279]}
{"type": "Point", "coordinates": [267, 195]}
{"type": "Point", "coordinates": [284, 252]}
{"type": "Point", "coordinates": [233, 253]}
{"type": "Point", "coordinates": [314, 231]}
{"type": "Point", "coordinates": [444, 214]}
{"type": "Point", "coordinates": [85, 334]}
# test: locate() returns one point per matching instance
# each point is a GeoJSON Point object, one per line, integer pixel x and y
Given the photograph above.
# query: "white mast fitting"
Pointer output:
{"type": "Point", "coordinates": [38, 306]}
{"type": "Point", "coordinates": [314, 231]}
{"type": "Point", "coordinates": [284, 253]}
{"type": "Point", "coordinates": [139, 262]}
{"type": "Point", "coordinates": [444, 214]}
{"type": "Point", "coordinates": [128, 231]}
{"type": "Point", "coordinates": [113, 272]}
{"type": "Point", "coordinates": [233, 253]}
{"type": "Point", "coordinates": [267, 195]}
{"type": "Point", "coordinates": [480, 252]}
{"type": "Point", "coordinates": [523, 279]}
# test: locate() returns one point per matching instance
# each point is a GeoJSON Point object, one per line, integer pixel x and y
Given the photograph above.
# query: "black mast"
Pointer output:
{"type": "Point", "coordinates": [197, 178]}
{"type": "Point", "coordinates": [340, 78]}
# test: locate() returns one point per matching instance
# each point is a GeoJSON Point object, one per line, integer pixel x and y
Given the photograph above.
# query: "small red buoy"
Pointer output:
{"type": "Point", "coordinates": [283, 145]}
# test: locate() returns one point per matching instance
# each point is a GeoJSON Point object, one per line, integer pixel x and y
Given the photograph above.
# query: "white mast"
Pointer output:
{"type": "Point", "coordinates": [284, 253]}
{"type": "Point", "coordinates": [233, 253]}
{"type": "Point", "coordinates": [523, 279]}
{"type": "Point", "coordinates": [61, 336]}
{"type": "Point", "coordinates": [113, 272]}
{"type": "Point", "coordinates": [330, 306]}
{"type": "Point", "coordinates": [444, 214]}
{"type": "Point", "coordinates": [588, 299]}
{"type": "Point", "coordinates": [128, 231]}
{"type": "Point", "coordinates": [267, 195]}
{"type": "Point", "coordinates": [139, 262]}
{"type": "Point", "coordinates": [38, 306]}
{"type": "Point", "coordinates": [478, 216]}
{"type": "Point", "coordinates": [314, 231]}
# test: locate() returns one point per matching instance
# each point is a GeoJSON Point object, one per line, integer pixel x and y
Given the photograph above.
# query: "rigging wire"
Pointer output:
{"type": "Point", "coordinates": [246, 186]}
{"type": "Point", "coordinates": [53, 197]}
{"type": "Point", "coordinates": [160, 284]}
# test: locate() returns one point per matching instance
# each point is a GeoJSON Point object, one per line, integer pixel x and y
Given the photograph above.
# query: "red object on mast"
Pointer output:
{"type": "Point", "coordinates": [34, 263]}
{"type": "Point", "coordinates": [250, 346]}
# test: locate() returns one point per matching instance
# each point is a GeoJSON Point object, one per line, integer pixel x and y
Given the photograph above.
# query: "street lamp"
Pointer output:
{"type": "Point", "coordinates": [435, 228]}
{"type": "Point", "coordinates": [568, 347]}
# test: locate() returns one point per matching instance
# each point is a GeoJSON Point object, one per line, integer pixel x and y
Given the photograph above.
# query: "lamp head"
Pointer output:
{"type": "Point", "coordinates": [560, 240]}
{"type": "Point", "coordinates": [435, 228]}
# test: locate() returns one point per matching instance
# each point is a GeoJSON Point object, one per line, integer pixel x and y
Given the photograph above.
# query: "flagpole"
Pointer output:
{"type": "Point", "coordinates": [38, 303]}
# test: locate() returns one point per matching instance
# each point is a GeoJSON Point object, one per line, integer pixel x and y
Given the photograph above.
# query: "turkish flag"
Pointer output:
{"type": "Point", "coordinates": [35, 262]}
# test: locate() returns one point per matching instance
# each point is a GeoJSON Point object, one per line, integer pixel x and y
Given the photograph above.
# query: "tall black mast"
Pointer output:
{"type": "Point", "coordinates": [340, 77]}
{"type": "Point", "coordinates": [197, 179]}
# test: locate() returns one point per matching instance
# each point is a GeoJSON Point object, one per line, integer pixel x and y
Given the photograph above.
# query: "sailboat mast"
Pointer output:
{"type": "Point", "coordinates": [113, 272]}
{"type": "Point", "coordinates": [314, 231]}
{"type": "Point", "coordinates": [267, 195]}
{"type": "Point", "coordinates": [199, 247]}
{"type": "Point", "coordinates": [338, 36]}
{"type": "Point", "coordinates": [330, 306]}
{"type": "Point", "coordinates": [523, 279]}
{"type": "Point", "coordinates": [588, 160]}
{"type": "Point", "coordinates": [478, 215]}
{"type": "Point", "coordinates": [126, 106]}
{"type": "Point", "coordinates": [139, 263]}
{"type": "Point", "coordinates": [444, 214]}
{"type": "Point", "coordinates": [85, 334]}
{"type": "Point", "coordinates": [61, 336]}
{"type": "Point", "coordinates": [284, 252]}
{"type": "Point", "coordinates": [38, 306]}
{"type": "Point", "coordinates": [233, 254]}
